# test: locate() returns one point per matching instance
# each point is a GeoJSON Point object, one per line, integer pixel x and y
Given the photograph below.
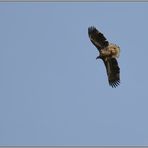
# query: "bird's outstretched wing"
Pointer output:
{"type": "Point", "coordinates": [97, 38]}
{"type": "Point", "coordinates": [113, 71]}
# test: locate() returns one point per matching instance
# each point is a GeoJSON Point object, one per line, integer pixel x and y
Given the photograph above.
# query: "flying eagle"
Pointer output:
{"type": "Point", "coordinates": [108, 52]}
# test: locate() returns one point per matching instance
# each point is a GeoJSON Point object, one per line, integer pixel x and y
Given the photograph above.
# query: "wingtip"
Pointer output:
{"type": "Point", "coordinates": [114, 84]}
{"type": "Point", "coordinates": [91, 29]}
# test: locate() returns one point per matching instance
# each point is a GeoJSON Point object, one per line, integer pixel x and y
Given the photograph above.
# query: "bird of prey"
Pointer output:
{"type": "Point", "coordinates": [109, 53]}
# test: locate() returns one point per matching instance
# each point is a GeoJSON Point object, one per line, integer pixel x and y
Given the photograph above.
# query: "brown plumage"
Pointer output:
{"type": "Point", "coordinates": [108, 52]}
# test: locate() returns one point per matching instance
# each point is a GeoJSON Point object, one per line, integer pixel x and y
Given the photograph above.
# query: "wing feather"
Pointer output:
{"type": "Point", "coordinates": [97, 38]}
{"type": "Point", "coordinates": [113, 71]}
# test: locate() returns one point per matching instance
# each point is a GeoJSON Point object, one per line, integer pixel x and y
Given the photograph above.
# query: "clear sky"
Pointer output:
{"type": "Point", "coordinates": [54, 92]}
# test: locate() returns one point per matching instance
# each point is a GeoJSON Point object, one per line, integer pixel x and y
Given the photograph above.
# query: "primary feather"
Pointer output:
{"type": "Point", "coordinates": [97, 38]}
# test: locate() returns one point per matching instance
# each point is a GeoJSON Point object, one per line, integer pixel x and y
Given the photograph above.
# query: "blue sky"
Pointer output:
{"type": "Point", "coordinates": [52, 89]}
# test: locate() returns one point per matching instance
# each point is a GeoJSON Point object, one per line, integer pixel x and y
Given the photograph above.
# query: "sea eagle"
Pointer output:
{"type": "Point", "coordinates": [109, 53]}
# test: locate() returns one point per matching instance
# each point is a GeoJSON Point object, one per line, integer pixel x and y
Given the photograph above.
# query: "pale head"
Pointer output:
{"type": "Point", "coordinates": [115, 50]}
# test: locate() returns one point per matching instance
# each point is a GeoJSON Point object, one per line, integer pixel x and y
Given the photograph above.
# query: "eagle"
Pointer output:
{"type": "Point", "coordinates": [109, 53]}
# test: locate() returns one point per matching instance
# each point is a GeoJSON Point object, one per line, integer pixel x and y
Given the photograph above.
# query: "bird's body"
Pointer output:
{"type": "Point", "coordinates": [108, 52]}
{"type": "Point", "coordinates": [112, 51]}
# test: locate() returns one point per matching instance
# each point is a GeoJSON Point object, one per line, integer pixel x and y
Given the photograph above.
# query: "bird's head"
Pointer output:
{"type": "Point", "coordinates": [115, 49]}
{"type": "Point", "coordinates": [98, 57]}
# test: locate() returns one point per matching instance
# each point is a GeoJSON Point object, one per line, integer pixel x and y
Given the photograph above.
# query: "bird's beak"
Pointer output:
{"type": "Point", "coordinates": [98, 57]}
